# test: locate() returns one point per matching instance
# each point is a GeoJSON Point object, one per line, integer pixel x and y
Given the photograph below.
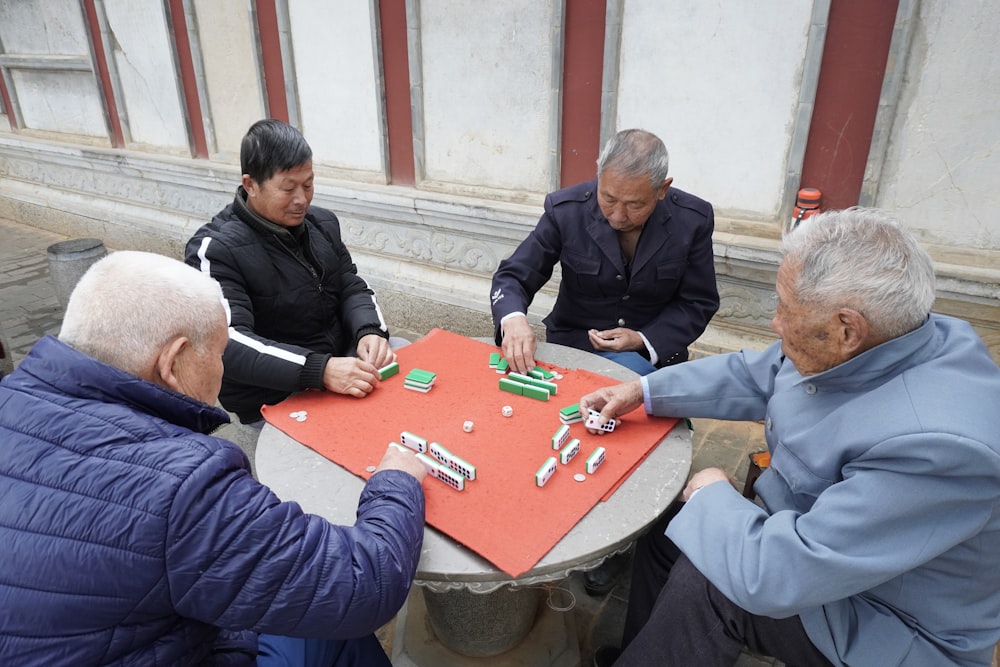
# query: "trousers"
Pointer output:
{"type": "Point", "coordinates": [631, 360]}
{"type": "Point", "coordinates": [676, 617]}
{"type": "Point", "coordinates": [278, 651]}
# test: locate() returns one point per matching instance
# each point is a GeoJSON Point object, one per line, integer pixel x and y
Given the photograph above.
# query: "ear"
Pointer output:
{"type": "Point", "coordinates": [249, 185]}
{"type": "Point", "coordinates": [855, 333]}
{"type": "Point", "coordinates": [167, 363]}
{"type": "Point", "coordinates": [666, 186]}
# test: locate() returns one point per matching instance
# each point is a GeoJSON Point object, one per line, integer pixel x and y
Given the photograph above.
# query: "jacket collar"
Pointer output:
{"type": "Point", "coordinates": [262, 224]}
{"type": "Point", "coordinates": [54, 367]}
{"type": "Point", "coordinates": [880, 363]}
{"type": "Point", "coordinates": [655, 233]}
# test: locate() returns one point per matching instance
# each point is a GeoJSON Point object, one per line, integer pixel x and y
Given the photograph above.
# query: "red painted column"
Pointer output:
{"type": "Point", "coordinates": [859, 33]}
{"type": "Point", "coordinates": [6, 105]}
{"type": "Point", "coordinates": [396, 78]}
{"type": "Point", "coordinates": [583, 74]}
{"type": "Point", "coordinates": [270, 49]}
{"type": "Point", "coordinates": [103, 75]}
{"type": "Point", "coordinates": [189, 83]}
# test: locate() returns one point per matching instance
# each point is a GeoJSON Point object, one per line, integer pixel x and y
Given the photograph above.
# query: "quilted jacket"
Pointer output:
{"type": "Point", "coordinates": [130, 537]}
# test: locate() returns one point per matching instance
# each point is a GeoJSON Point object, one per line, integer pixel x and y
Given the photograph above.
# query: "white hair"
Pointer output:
{"type": "Point", "coordinates": [129, 304]}
{"type": "Point", "coordinates": [636, 153]}
{"type": "Point", "coordinates": [864, 260]}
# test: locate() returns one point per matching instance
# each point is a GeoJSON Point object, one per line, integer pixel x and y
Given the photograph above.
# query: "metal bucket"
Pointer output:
{"type": "Point", "coordinates": [69, 260]}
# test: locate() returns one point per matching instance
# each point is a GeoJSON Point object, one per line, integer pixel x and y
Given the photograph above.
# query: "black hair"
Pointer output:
{"type": "Point", "coordinates": [270, 146]}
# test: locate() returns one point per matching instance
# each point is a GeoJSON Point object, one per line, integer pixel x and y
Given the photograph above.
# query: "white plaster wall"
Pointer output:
{"type": "Point", "coordinates": [486, 100]}
{"type": "Point", "coordinates": [147, 73]}
{"type": "Point", "coordinates": [232, 73]}
{"type": "Point", "coordinates": [43, 27]}
{"type": "Point", "coordinates": [60, 102]}
{"type": "Point", "coordinates": [942, 167]}
{"type": "Point", "coordinates": [338, 93]}
{"type": "Point", "coordinates": [52, 100]}
{"type": "Point", "coordinates": [719, 83]}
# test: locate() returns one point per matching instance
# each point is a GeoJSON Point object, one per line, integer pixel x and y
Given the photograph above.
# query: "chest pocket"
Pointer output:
{"type": "Point", "coordinates": [584, 273]}
{"type": "Point", "coordinates": [657, 285]}
{"type": "Point", "coordinates": [803, 484]}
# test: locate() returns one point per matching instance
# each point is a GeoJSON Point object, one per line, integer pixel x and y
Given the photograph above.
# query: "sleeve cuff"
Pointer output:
{"type": "Point", "coordinates": [653, 358]}
{"type": "Point", "coordinates": [506, 317]}
{"type": "Point", "coordinates": [364, 331]}
{"type": "Point", "coordinates": [311, 375]}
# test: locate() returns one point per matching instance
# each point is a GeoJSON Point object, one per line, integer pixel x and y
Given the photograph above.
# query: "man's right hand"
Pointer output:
{"type": "Point", "coordinates": [612, 402]}
{"type": "Point", "coordinates": [518, 344]}
{"type": "Point", "coordinates": [396, 459]}
{"type": "Point", "coordinates": [351, 376]}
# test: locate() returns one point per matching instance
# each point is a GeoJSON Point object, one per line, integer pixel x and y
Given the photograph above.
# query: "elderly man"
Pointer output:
{"type": "Point", "coordinates": [300, 315]}
{"type": "Point", "coordinates": [877, 540]}
{"type": "Point", "coordinates": [128, 535]}
{"type": "Point", "coordinates": [638, 273]}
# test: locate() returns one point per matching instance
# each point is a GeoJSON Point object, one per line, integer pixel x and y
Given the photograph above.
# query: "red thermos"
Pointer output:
{"type": "Point", "coordinates": [806, 205]}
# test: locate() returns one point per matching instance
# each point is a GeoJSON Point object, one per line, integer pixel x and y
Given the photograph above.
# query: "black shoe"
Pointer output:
{"type": "Point", "coordinates": [601, 579]}
{"type": "Point", "coordinates": [605, 656]}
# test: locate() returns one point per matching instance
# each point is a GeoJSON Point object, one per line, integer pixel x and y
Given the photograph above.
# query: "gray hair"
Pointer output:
{"type": "Point", "coordinates": [130, 304]}
{"type": "Point", "coordinates": [862, 259]}
{"type": "Point", "coordinates": [636, 153]}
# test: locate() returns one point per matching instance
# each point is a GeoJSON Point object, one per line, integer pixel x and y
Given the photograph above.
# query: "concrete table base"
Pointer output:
{"type": "Point", "coordinates": [550, 642]}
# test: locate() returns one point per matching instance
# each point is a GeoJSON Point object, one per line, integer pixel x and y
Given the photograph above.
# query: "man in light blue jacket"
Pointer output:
{"type": "Point", "coordinates": [877, 538]}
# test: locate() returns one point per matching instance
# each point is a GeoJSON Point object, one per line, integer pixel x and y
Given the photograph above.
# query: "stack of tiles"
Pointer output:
{"type": "Point", "coordinates": [525, 385]}
{"type": "Point", "coordinates": [419, 380]}
{"type": "Point", "coordinates": [571, 414]}
{"type": "Point", "coordinates": [541, 374]}
{"type": "Point", "coordinates": [594, 421]}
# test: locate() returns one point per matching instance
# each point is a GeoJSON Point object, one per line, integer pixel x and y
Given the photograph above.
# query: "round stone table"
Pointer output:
{"type": "Point", "coordinates": [463, 610]}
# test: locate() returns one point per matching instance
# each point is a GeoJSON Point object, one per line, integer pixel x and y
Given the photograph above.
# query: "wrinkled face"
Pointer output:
{"type": "Point", "coordinates": [628, 201]}
{"type": "Point", "coordinates": [285, 197]}
{"type": "Point", "coordinates": [810, 338]}
{"type": "Point", "coordinates": [199, 369]}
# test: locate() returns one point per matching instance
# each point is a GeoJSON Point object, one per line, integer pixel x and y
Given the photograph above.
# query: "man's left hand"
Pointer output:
{"type": "Point", "coordinates": [619, 339]}
{"type": "Point", "coordinates": [375, 350]}
{"type": "Point", "coordinates": [703, 478]}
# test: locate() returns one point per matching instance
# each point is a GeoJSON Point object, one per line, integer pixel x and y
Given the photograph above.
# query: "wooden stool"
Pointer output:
{"type": "Point", "coordinates": [759, 461]}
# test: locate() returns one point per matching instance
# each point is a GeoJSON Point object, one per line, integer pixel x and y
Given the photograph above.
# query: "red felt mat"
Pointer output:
{"type": "Point", "coordinates": [502, 514]}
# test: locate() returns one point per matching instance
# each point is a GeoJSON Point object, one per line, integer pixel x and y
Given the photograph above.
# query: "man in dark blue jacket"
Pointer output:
{"type": "Point", "coordinates": [128, 535]}
{"type": "Point", "coordinates": [638, 272]}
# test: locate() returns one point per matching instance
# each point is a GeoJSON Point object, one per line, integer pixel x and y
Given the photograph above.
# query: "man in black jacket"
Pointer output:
{"type": "Point", "coordinates": [300, 317]}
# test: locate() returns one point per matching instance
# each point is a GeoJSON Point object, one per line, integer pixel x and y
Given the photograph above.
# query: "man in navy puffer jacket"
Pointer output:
{"type": "Point", "coordinates": [129, 536]}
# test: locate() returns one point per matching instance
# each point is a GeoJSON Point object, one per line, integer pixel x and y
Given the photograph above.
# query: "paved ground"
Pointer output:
{"type": "Point", "coordinates": [30, 309]}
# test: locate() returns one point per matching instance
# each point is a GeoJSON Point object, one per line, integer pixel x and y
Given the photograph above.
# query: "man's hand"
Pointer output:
{"type": "Point", "coordinates": [396, 459]}
{"type": "Point", "coordinates": [703, 478]}
{"type": "Point", "coordinates": [351, 376]}
{"type": "Point", "coordinates": [619, 339]}
{"type": "Point", "coordinates": [518, 344]}
{"type": "Point", "coordinates": [375, 350]}
{"type": "Point", "coordinates": [612, 402]}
